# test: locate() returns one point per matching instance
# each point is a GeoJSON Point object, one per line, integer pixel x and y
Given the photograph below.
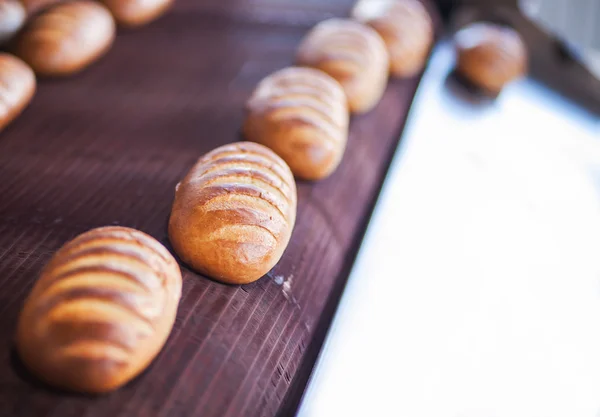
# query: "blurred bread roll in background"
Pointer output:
{"type": "Point", "coordinates": [353, 54]}
{"type": "Point", "coordinates": [34, 6]}
{"type": "Point", "coordinates": [490, 56]}
{"type": "Point", "coordinates": [17, 87]}
{"type": "Point", "coordinates": [302, 115]}
{"type": "Point", "coordinates": [132, 13]}
{"type": "Point", "coordinates": [406, 28]}
{"type": "Point", "coordinates": [234, 213]}
{"type": "Point", "coordinates": [12, 19]}
{"type": "Point", "coordinates": [66, 38]}
{"type": "Point", "coordinates": [101, 310]}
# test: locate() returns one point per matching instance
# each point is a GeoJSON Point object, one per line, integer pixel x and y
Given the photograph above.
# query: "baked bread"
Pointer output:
{"type": "Point", "coordinates": [353, 54]}
{"type": "Point", "coordinates": [132, 13]}
{"type": "Point", "coordinates": [490, 56]}
{"type": "Point", "coordinates": [66, 38]}
{"type": "Point", "coordinates": [234, 212]}
{"type": "Point", "coordinates": [12, 19]}
{"type": "Point", "coordinates": [17, 87]}
{"type": "Point", "coordinates": [101, 310]}
{"type": "Point", "coordinates": [302, 115]}
{"type": "Point", "coordinates": [34, 6]}
{"type": "Point", "coordinates": [406, 28]}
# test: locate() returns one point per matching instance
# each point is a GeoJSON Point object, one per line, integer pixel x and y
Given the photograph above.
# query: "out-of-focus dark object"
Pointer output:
{"type": "Point", "coordinates": [133, 13]}
{"type": "Point", "coordinates": [34, 6]}
{"type": "Point", "coordinates": [406, 28]}
{"type": "Point", "coordinates": [353, 54]}
{"type": "Point", "coordinates": [302, 115]}
{"type": "Point", "coordinates": [12, 19]}
{"type": "Point", "coordinates": [101, 310]}
{"type": "Point", "coordinates": [17, 87]}
{"type": "Point", "coordinates": [550, 59]}
{"type": "Point", "coordinates": [67, 38]}
{"type": "Point", "coordinates": [489, 55]}
{"type": "Point", "coordinates": [577, 22]}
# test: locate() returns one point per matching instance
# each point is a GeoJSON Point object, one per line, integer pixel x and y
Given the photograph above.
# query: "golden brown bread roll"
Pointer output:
{"type": "Point", "coordinates": [489, 55]}
{"type": "Point", "coordinates": [406, 28]}
{"type": "Point", "coordinates": [67, 38]}
{"type": "Point", "coordinates": [234, 212]}
{"type": "Point", "coordinates": [17, 87]}
{"type": "Point", "coordinates": [353, 54]}
{"type": "Point", "coordinates": [12, 19]}
{"type": "Point", "coordinates": [302, 115]}
{"type": "Point", "coordinates": [101, 310]}
{"type": "Point", "coordinates": [134, 13]}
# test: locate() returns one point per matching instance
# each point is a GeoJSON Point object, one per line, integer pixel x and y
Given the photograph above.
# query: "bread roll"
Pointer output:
{"type": "Point", "coordinates": [34, 6]}
{"type": "Point", "coordinates": [406, 29]}
{"type": "Point", "coordinates": [67, 38]}
{"type": "Point", "coordinates": [101, 310]}
{"type": "Point", "coordinates": [490, 56]}
{"type": "Point", "coordinates": [353, 54]}
{"type": "Point", "coordinates": [12, 19]}
{"type": "Point", "coordinates": [302, 115]}
{"type": "Point", "coordinates": [134, 13]}
{"type": "Point", "coordinates": [234, 212]}
{"type": "Point", "coordinates": [17, 87]}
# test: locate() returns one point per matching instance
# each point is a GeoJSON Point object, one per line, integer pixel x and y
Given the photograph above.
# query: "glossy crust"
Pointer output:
{"type": "Point", "coordinates": [406, 28]}
{"type": "Point", "coordinates": [302, 115]}
{"type": "Point", "coordinates": [12, 19]}
{"type": "Point", "coordinates": [132, 13]}
{"type": "Point", "coordinates": [490, 56]}
{"type": "Point", "coordinates": [67, 38]}
{"type": "Point", "coordinates": [17, 87]}
{"type": "Point", "coordinates": [353, 54]}
{"type": "Point", "coordinates": [101, 310]}
{"type": "Point", "coordinates": [234, 212]}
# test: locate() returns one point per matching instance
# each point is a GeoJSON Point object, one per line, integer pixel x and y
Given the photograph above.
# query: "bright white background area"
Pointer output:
{"type": "Point", "coordinates": [477, 290]}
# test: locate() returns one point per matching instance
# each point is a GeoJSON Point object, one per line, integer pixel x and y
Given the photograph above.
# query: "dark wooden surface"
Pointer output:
{"type": "Point", "coordinates": [108, 146]}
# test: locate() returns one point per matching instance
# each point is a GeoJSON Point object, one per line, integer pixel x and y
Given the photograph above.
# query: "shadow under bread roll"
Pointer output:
{"type": "Point", "coordinates": [302, 115]}
{"type": "Point", "coordinates": [133, 13]}
{"type": "Point", "coordinates": [234, 212]}
{"type": "Point", "coordinates": [17, 87]}
{"type": "Point", "coordinates": [101, 310]}
{"type": "Point", "coordinates": [66, 38]}
{"type": "Point", "coordinates": [406, 28]}
{"type": "Point", "coordinates": [352, 53]}
{"type": "Point", "coordinates": [490, 56]}
{"type": "Point", "coordinates": [12, 19]}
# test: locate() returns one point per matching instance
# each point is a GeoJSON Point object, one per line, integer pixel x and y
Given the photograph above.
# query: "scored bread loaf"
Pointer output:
{"type": "Point", "coordinates": [489, 55]}
{"type": "Point", "coordinates": [353, 54]}
{"type": "Point", "coordinates": [17, 87]}
{"type": "Point", "coordinates": [234, 212]}
{"type": "Point", "coordinates": [302, 115]}
{"type": "Point", "coordinates": [101, 310]}
{"type": "Point", "coordinates": [134, 13]}
{"type": "Point", "coordinates": [66, 38]}
{"type": "Point", "coordinates": [406, 28]}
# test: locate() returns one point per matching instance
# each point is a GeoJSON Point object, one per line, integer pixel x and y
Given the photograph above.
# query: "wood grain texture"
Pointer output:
{"type": "Point", "coordinates": [108, 147]}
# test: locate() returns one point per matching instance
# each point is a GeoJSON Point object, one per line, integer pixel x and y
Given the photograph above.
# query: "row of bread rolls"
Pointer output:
{"type": "Point", "coordinates": [105, 304]}
{"type": "Point", "coordinates": [58, 38]}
